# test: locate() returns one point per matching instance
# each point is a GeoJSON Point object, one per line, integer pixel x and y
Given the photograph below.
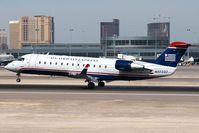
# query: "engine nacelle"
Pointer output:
{"type": "Point", "coordinates": [124, 65]}
{"type": "Point", "coordinates": [136, 66]}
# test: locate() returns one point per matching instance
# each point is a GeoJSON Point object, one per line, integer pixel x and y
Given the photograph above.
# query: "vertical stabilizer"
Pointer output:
{"type": "Point", "coordinates": [172, 55]}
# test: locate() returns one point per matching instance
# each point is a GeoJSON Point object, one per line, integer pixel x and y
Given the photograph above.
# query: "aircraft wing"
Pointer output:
{"type": "Point", "coordinates": [82, 74]}
{"type": "Point", "coordinates": [84, 71]}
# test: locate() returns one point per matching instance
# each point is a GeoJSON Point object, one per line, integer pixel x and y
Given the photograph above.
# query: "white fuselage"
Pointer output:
{"type": "Point", "coordinates": [100, 68]}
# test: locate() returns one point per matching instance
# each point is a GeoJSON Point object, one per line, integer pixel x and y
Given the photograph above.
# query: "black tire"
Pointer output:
{"type": "Point", "coordinates": [101, 84]}
{"type": "Point", "coordinates": [18, 80]}
{"type": "Point", "coordinates": [91, 85]}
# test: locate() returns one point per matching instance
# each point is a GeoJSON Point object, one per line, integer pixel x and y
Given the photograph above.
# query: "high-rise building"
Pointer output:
{"type": "Point", "coordinates": [14, 35]}
{"type": "Point", "coordinates": [31, 30]}
{"type": "Point", "coordinates": [161, 29]}
{"type": "Point", "coordinates": [37, 29]}
{"type": "Point", "coordinates": [109, 29]}
{"type": "Point", "coordinates": [3, 39]}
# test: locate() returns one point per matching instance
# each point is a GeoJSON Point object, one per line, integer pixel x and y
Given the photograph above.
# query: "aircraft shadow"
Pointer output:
{"type": "Point", "coordinates": [100, 89]}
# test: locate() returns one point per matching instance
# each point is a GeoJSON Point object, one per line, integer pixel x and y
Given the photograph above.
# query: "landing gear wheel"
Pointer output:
{"type": "Point", "coordinates": [18, 77]}
{"type": "Point", "coordinates": [18, 80]}
{"type": "Point", "coordinates": [101, 84]}
{"type": "Point", "coordinates": [91, 85]}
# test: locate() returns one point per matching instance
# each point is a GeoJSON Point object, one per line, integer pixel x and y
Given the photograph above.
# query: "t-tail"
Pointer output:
{"type": "Point", "coordinates": [172, 55]}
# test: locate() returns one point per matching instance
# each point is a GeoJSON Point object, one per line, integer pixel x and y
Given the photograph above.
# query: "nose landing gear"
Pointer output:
{"type": "Point", "coordinates": [18, 77]}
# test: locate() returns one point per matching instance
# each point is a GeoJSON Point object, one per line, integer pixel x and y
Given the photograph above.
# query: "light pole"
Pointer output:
{"type": "Point", "coordinates": [155, 44]}
{"type": "Point", "coordinates": [157, 30]}
{"type": "Point", "coordinates": [83, 32]}
{"type": "Point", "coordinates": [114, 41]}
{"type": "Point", "coordinates": [155, 33]}
{"type": "Point", "coordinates": [71, 39]}
{"type": "Point", "coordinates": [106, 40]}
{"type": "Point", "coordinates": [188, 30]}
{"type": "Point", "coordinates": [71, 34]}
{"type": "Point", "coordinates": [37, 32]}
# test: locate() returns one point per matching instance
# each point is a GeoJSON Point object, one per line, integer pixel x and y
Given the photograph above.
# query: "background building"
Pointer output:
{"type": "Point", "coordinates": [34, 30]}
{"type": "Point", "coordinates": [144, 46]}
{"type": "Point", "coordinates": [159, 30]}
{"type": "Point", "coordinates": [14, 35]}
{"type": "Point", "coordinates": [37, 29]}
{"type": "Point", "coordinates": [157, 39]}
{"type": "Point", "coordinates": [74, 49]}
{"type": "Point", "coordinates": [147, 47]}
{"type": "Point", "coordinates": [3, 39]}
{"type": "Point", "coordinates": [146, 51]}
{"type": "Point", "coordinates": [109, 29]}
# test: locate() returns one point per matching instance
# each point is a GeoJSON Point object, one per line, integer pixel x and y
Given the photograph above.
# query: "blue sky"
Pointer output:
{"type": "Point", "coordinates": [84, 16]}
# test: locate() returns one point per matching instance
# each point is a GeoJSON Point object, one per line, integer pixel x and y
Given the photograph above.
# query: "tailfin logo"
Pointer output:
{"type": "Point", "coordinates": [170, 57]}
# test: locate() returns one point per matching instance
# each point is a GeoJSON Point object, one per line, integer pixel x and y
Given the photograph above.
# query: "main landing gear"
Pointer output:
{"type": "Point", "coordinates": [18, 77]}
{"type": "Point", "coordinates": [101, 84]}
{"type": "Point", "coordinates": [92, 85]}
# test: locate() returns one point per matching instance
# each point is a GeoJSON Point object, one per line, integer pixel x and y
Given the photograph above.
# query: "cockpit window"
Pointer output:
{"type": "Point", "coordinates": [20, 59]}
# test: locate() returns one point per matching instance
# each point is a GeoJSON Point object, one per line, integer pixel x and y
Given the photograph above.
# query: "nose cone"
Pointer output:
{"type": "Point", "coordinates": [10, 67]}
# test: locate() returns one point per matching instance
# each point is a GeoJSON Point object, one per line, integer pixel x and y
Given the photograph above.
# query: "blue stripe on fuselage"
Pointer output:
{"type": "Point", "coordinates": [108, 77]}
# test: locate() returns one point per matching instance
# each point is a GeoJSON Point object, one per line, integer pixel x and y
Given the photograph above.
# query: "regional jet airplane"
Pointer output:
{"type": "Point", "coordinates": [98, 70]}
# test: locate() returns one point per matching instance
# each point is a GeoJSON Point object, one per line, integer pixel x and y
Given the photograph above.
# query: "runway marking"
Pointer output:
{"type": "Point", "coordinates": [105, 94]}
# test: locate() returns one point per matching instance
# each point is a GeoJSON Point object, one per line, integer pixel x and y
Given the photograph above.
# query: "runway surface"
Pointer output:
{"type": "Point", "coordinates": [41, 104]}
{"type": "Point", "coordinates": [36, 110]}
{"type": "Point", "coordinates": [53, 92]}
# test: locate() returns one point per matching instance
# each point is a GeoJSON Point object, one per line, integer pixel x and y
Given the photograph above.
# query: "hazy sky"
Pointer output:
{"type": "Point", "coordinates": [84, 16]}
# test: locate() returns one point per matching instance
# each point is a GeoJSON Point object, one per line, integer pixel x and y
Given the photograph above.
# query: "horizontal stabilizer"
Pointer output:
{"type": "Point", "coordinates": [179, 45]}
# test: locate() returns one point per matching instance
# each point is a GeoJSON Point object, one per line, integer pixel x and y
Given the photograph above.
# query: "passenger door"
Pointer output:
{"type": "Point", "coordinates": [32, 61]}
